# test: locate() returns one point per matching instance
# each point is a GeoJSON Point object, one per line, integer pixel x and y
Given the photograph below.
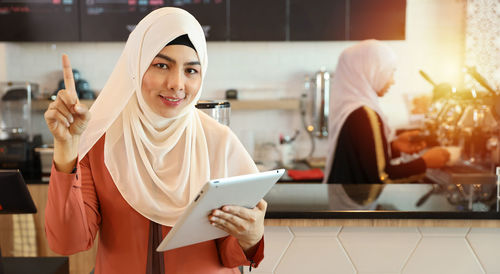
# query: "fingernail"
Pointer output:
{"type": "Point", "coordinates": [67, 124]}
{"type": "Point", "coordinates": [79, 108]}
{"type": "Point", "coordinates": [71, 119]}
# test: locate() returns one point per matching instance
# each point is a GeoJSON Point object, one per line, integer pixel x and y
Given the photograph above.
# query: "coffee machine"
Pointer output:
{"type": "Point", "coordinates": [468, 119]}
{"type": "Point", "coordinates": [17, 141]}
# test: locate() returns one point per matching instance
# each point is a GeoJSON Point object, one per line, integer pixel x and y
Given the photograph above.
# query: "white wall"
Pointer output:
{"type": "Point", "coordinates": [435, 43]}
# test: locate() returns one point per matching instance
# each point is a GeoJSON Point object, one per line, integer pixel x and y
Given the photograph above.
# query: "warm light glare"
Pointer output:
{"type": "Point", "coordinates": [474, 94]}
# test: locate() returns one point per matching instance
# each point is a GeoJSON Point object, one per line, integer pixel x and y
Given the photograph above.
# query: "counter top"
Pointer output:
{"type": "Point", "coordinates": [313, 200]}
{"type": "Point", "coordinates": [392, 201]}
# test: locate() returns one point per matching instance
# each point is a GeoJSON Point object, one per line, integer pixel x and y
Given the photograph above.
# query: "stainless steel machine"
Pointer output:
{"type": "Point", "coordinates": [314, 106]}
{"type": "Point", "coordinates": [17, 141]}
{"type": "Point", "coordinates": [219, 110]}
{"type": "Point", "coordinates": [469, 119]}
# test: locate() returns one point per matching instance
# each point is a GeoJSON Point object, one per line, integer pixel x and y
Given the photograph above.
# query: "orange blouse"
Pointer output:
{"type": "Point", "coordinates": [83, 203]}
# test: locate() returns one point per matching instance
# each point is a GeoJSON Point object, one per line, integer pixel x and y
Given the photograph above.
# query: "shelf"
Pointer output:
{"type": "Point", "coordinates": [275, 104]}
{"type": "Point", "coordinates": [42, 105]}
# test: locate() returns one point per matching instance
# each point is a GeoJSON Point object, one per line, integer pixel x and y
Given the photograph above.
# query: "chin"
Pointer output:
{"type": "Point", "coordinates": [168, 114]}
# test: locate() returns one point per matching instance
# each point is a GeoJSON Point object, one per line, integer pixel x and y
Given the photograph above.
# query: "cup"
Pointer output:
{"type": "Point", "coordinates": [287, 155]}
{"type": "Point", "coordinates": [455, 153]}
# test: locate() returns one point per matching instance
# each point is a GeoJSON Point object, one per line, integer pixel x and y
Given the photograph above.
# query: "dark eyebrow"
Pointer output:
{"type": "Point", "coordinates": [193, 63]}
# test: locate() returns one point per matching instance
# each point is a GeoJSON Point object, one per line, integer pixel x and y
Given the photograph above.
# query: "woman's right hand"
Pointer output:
{"type": "Point", "coordinates": [66, 119]}
{"type": "Point", "coordinates": [436, 157]}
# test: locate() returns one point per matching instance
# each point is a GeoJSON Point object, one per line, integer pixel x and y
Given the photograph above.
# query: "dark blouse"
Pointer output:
{"type": "Point", "coordinates": [362, 154]}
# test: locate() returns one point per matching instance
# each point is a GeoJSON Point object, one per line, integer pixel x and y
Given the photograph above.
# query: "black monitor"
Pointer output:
{"type": "Point", "coordinates": [14, 195]}
{"type": "Point", "coordinates": [39, 265]}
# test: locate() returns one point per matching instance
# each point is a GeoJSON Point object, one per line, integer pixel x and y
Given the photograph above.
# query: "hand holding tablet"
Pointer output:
{"type": "Point", "coordinates": [244, 191]}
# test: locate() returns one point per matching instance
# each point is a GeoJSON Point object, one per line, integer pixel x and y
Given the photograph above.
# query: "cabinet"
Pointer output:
{"type": "Point", "coordinates": [318, 20]}
{"type": "Point", "coordinates": [378, 19]}
{"type": "Point", "coordinates": [258, 20]}
{"type": "Point", "coordinates": [222, 20]}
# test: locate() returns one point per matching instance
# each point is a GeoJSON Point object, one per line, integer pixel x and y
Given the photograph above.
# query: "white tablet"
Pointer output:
{"type": "Point", "coordinates": [193, 226]}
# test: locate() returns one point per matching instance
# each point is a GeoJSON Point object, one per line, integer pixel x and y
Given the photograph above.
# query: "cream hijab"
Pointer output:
{"type": "Point", "coordinates": [157, 164]}
{"type": "Point", "coordinates": [362, 70]}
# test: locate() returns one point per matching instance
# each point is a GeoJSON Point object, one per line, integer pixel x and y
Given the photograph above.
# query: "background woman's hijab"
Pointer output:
{"type": "Point", "coordinates": [362, 70]}
{"type": "Point", "coordinates": [158, 164]}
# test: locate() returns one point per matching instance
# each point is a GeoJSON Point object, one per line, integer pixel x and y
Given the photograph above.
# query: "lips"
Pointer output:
{"type": "Point", "coordinates": [171, 101]}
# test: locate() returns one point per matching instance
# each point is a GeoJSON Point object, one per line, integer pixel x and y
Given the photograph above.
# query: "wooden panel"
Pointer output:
{"type": "Point", "coordinates": [6, 239]}
{"type": "Point", "coordinates": [282, 104]}
{"type": "Point", "coordinates": [80, 263]}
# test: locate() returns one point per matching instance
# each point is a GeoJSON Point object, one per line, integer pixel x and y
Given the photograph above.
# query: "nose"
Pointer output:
{"type": "Point", "coordinates": [175, 80]}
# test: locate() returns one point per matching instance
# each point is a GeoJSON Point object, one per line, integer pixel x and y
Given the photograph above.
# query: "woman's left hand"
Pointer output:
{"type": "Point", "coordinates": [245, 224]}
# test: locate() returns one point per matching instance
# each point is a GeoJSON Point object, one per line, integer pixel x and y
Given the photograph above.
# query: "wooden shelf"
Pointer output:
{"type": "Point", "coordinates": [42, 105]}
{"type": "Point", "coordinates": [275, 104]}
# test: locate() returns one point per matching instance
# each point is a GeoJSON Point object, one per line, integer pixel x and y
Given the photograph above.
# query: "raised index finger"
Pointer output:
{"type": "Point", "coordinates": [69, 81]}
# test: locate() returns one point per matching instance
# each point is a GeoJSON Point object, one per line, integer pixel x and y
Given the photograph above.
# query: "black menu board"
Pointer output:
{"type": "Point", "coordinates": [377, 19]}
{"type": "Point", "coordinates": [113, 20]}
{"type": "Point", "coordinates": [222, 20]}
{"type": "Point", "coordinates": [39, 20]}
{"type": "Point", "coordinates": [318, 20]}
{"type": "Point", "coordinates": [258, 20]}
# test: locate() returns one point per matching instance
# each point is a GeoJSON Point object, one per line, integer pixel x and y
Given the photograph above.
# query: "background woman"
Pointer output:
{"type": "Point", "coordinates": [359, 137]}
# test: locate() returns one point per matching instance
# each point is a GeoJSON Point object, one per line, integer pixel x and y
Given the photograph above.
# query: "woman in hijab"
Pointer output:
{"type": "Point", "coordinates": [360, 149]}
{"type": "Point", "coordinates": [131, 170]}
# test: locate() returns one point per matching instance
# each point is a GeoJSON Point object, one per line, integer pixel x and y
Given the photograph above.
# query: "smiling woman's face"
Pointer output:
{"type": "Point", "coordinates": [172, 80]}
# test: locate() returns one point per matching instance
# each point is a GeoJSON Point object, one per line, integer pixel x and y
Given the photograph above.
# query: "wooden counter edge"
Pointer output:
{"type": "Point", "coordinates": [383, 223]}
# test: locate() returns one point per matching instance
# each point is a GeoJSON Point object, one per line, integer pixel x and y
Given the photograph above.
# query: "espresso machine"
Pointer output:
{"type": "Point", "coordinates": [17, 141]}
{"type": "Point", "coordinates": [468, 119]}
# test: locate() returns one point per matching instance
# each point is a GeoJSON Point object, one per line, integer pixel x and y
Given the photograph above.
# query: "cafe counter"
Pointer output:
{"type": "Point", "coordinates": [397, 228]}
{"type": "Point", "coordinates": [319, 228]}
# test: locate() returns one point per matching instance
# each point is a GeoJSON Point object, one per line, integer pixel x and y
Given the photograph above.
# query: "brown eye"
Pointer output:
{"type": "Point", "coordinates": [161, 66]}
{"type": "Point", "coordinates": [191, 71]}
